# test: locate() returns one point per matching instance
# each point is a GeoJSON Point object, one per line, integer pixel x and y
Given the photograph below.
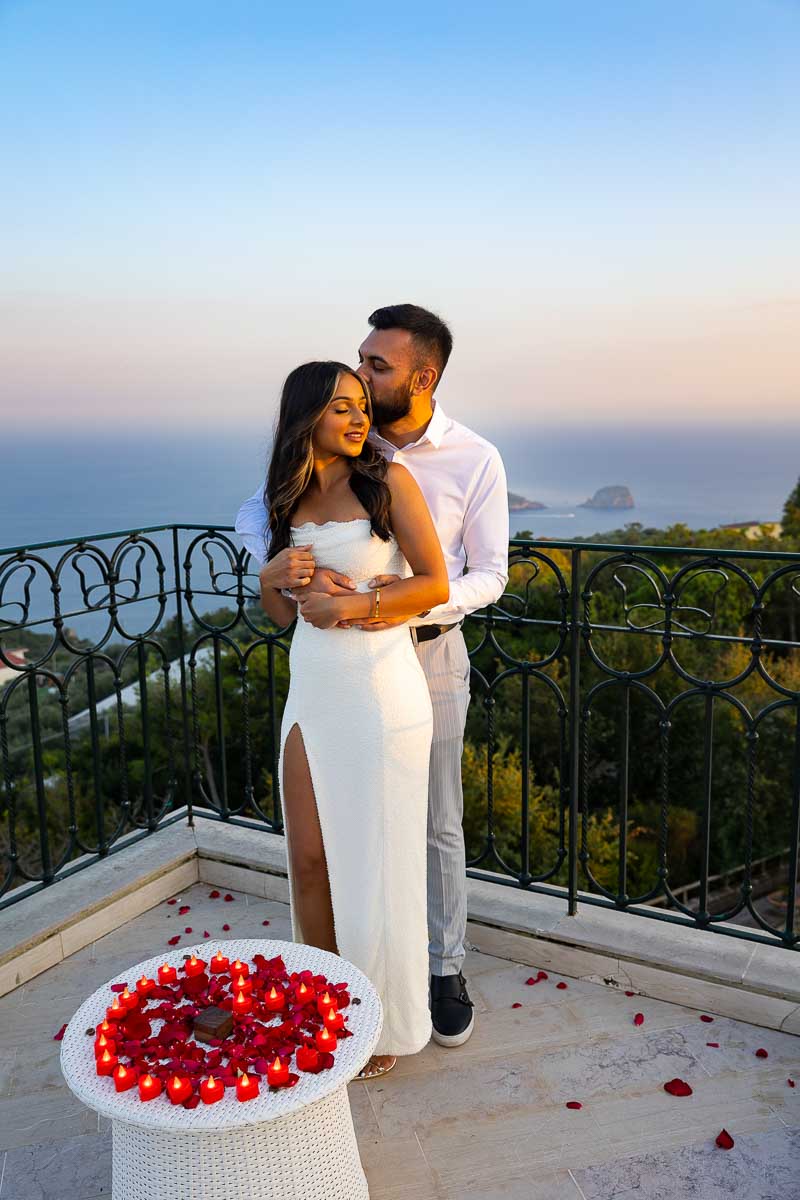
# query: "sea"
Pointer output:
{"type": "Point", "coordinates": [78, 484]}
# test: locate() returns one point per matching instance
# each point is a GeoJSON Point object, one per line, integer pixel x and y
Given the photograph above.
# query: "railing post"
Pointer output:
{"type": "Point", "coordinates": [574, 731]}
{"type": "Point", "coordinates": [187, 758]}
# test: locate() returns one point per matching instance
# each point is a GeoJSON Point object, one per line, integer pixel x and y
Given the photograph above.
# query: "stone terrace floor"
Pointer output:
{"type": "Point", "coordinates": [486, 1121]}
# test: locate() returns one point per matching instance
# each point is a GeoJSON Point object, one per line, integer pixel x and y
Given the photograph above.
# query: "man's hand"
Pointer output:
{"type": "Point", "coordinates": [329, 583]}
{"type": "Point", "coordinates": [380, 581]}
{"type": "Point", "coordinates": [293, 567]}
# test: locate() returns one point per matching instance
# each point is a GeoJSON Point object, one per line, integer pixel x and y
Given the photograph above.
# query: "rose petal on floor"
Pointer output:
{"type": "Point", "coordinates": [724, 1140]}
{"type": "Point", "coordinates": [678, 1087]}
{"type": "Point", "coordinates": [58, 1036]}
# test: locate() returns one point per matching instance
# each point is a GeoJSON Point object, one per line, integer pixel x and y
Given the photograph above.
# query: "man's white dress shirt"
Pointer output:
{"type": "Point", "coordinates": [462, 478]}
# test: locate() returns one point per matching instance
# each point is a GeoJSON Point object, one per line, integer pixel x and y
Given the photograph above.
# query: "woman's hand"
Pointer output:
{"type": "Point", "coordinates": [320, 610]}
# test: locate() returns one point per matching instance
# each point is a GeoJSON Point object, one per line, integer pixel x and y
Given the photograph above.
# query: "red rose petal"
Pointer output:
{"type": "Point", "coordinates": [541, 975]}
{"type": "Point", "coordinates": [724, 1140]}
{"type": "Point", "coordinates": [206, 933]}
{"type": "Point", "coordinates": [638, 1019]}
{"type": "Point", "coordinates": [226, 928]}
{"type": "Point", "coordinates": [714, 1045]}
{"type": "Point", "coordinates": [184, 908]}
{"type": "Point", "coordinates": [265, 922]}
{"type": "Point", "coordinates": [173, 941]}
{"type": "Point", "coordinates": [215, 895]}
{"type": "Point", "coordinates": [517, 1005]}
{"type": "Point", "coordinates": [188, 929]}
{"type": "Point", "coordinates": [791, 1083]}
{"type": "Point", "coordinates": [562, 985]}
{"type": "Point", "coordinates": [630, 993]}
{"type": "Point", "coordinates": [172, 901]}
{"type": "Point", "coordinates": [762, 1053]}
{"type": "Point", "coordinates": [678, 1087]}
{"type": "Point", "coordinates": [573, 1104]}
{"type": "Point", "coordinates": [118, 987]}
{"type": "Point", "coordinates": [530, 982]}
{"type": "Point", "coordinates": [227, 896]}
{"type": "Point", "coordinates": [58, 1036]}
{"type": "Point", "coordinates": [705, 1017]}
{"type": "Point", "coordinates": [191, 1101]}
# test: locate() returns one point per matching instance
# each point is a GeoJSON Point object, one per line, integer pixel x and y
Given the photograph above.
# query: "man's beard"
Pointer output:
{"type": "Point", "coordinates": [392, 407]}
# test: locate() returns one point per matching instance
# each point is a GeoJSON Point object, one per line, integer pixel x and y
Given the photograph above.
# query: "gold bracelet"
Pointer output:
{"type": "Point", "coordinates": [377, 603]}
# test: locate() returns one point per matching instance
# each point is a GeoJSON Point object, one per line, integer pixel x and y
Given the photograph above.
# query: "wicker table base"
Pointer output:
{"type": "Point", "coordinates": [311, 1153]}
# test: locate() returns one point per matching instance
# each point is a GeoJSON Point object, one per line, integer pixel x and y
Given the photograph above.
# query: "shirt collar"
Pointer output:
{"type": "Point", "coordinates": [433, 434]}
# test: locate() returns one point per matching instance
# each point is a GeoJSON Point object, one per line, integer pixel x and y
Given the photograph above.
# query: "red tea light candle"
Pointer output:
{"type": "Point", "coordinates": [150, 1086]}
{"type": "Point", "coordinates": [105, 1063]}
{"type": "Point", "coordinates": [242, 1004]}
{"type": "Point", "coordinates": [219, 963]}
{"type": "Point", "coordinates": [179, 1089]}
{"type": "Point", "coordinates": [278, 1073]}
{"type": "Point", "coordinates": [274, 1000]}
{"type": "Point", "coordinates": [106, 1028]}
{"type": "Point", "coordinates": [167, 974]}
{"type": "Point", "coordinates": [333, 1020]}
{"type": "Point", "coordinates": [239, 968]}
{"type": "Point", "coordinates": [325, 1041]}
{"type": "Point", "coordinates": [247, 1088]}
{"type": "Point", "coordinates": [194, 966]}
{"type": "Point", "coordinates": [325, 1003]}
{"type": "Point", "coordinates": [116, 1011]}
{"type": "Point", "coordinates": [303, 993]}
{"type": "Point", "coordinates": [211, 1090]}
{"type": "Point", "coordinates": [129, 1000]}
{"type": "Point", "coordinates": [124, 1078]}
{"type": "Point", "coordinates": [102, 1043]}
{"type": "Point", "coordinates": [243, 984]}
{"type": "Point", "coordinates": [144, 986]}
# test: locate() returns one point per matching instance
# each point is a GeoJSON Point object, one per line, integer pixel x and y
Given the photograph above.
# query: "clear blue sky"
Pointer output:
{"type": "Point", "coordinates": [603, 199]}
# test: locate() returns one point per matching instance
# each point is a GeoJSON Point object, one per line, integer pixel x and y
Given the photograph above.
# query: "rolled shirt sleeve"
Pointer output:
{"type": "Point", "coordinates": [485, 536]}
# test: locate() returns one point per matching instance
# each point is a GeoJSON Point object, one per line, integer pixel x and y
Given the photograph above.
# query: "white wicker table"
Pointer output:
{"type": "Point", "coordinates": [293, 1144]}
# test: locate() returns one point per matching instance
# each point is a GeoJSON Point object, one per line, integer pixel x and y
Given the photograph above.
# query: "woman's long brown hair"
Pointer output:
{"type": "Point", "coordinates": [306, 394]}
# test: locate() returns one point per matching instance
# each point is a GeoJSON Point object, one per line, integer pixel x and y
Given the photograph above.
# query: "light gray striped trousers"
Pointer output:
{"type": "Point", "coordinates": [446, 665]}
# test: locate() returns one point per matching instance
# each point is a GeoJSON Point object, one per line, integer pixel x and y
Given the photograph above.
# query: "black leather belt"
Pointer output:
{"type": "Point", "coordinates": [426, 633]}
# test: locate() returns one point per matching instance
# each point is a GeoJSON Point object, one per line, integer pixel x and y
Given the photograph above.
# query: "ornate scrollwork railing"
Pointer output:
{"type": "Point", "coordinates": [633, 736]}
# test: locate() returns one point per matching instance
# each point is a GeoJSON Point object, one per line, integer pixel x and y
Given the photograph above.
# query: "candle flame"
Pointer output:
{"type": "Point", "coordinates": [273, 994]}
{"type": "Point", "coordinates": [106, 1057]}
{"type": "Point", "coordinates": [240, 998]}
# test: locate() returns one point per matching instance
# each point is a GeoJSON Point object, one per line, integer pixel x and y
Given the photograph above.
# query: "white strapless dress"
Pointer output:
{"type": "Point", "coordinates": [364, 710]}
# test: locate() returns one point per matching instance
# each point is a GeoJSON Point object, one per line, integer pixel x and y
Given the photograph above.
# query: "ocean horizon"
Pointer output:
{"type": "Point", "coordinates": [64, 486]}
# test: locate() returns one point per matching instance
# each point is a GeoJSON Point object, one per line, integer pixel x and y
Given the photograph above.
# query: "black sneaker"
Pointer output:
{"type": "Point", "coordinates": [451, 1010]}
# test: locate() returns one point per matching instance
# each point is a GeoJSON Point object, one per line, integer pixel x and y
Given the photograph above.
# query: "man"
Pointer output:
{"type": "Point", "coordinates": [463, 480]}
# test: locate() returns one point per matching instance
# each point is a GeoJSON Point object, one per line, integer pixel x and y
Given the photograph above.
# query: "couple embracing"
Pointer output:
{"type": "Point", "coordinates": [383, 523]}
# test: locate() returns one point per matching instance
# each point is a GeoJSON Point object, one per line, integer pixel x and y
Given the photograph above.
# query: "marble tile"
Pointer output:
{"type": "Point", "coordinates": [515, 1185]}
{"type": "Point", "coordinates": [396, 1169]}
{"type": "Point", "coordinates": [54, 1115]}
{"type": "Point", "coordinates": [75, 1167]}
{"type": "Point", "coordinates": [433, 1098]}
{"type": "Point", "coordinates": [791, 1023]}
{"type": "Point", "coordinates": [761, 1166]}
{"type": "Point", "coordinates": [540, 952]}
{"type": "Point", "coordinates": [7, 1057]}
{"type": "Point", "coordinates": [37, 1069]}
{"type": "Point", "coordinates": [613, 1065]}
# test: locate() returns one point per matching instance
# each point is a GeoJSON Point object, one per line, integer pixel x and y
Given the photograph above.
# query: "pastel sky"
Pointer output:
{"type": "Point", "coordinates": [601, 198]}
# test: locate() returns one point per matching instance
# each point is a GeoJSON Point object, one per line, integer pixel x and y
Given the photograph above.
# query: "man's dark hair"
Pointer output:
{"type": "Point", "coordinates": [428, 330]}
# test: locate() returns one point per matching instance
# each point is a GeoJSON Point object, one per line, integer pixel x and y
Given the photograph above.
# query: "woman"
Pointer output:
{"type": "Point", "coordinates": [356, 733]}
